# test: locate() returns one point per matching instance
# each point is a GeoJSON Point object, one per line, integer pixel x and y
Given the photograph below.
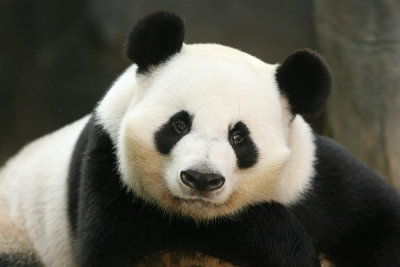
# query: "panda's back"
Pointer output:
{"type": "Point", "coordinates": [34, 193]}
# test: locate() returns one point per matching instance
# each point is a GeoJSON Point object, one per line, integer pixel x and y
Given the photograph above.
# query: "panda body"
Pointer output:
{"type": "Point", "coordinates": [39, 206]}
{"type": "Point", "coordinates": [198, 153]}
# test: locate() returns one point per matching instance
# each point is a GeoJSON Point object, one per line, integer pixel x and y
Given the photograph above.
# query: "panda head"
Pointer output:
{"type": "Point", "coordinates": [204, 130]}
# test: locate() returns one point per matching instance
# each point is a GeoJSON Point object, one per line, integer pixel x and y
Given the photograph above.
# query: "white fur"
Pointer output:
{"type": "Point", "coordinates": [33, 186]}
{"type": "Point", "coordinates": [13, 240]}
{"type": "Point", "coordinates": [115, 103]}
{"type": "Point", "coordinates": [300, 169]}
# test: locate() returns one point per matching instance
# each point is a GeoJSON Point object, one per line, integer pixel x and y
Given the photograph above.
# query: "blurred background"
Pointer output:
{"type": "Point", "coordinates": [57, 58]}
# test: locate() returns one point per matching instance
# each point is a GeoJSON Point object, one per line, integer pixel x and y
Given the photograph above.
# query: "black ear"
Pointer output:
{"type": "Point", "coordinates": [154, 39]}
{"type": "Point", "coordinates": [305, 80]}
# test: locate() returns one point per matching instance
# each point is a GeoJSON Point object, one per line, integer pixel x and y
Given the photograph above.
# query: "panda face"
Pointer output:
{"type": "Point", "coordinates": [205, 130]}
{"type": "Point", "coordinates": [206, 133]}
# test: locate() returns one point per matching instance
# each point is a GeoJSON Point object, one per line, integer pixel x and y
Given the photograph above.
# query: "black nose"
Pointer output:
{"type": "Point", "coordinates": [202, 181]}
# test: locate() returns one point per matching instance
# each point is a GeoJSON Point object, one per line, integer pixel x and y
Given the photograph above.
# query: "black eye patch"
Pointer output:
{"type": "Point", "coordinates": [244, 147]}
{"type": "Point", "coordinates": [172, 131]}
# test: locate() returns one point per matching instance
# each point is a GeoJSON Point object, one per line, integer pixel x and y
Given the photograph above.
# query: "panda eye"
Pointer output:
{"type": "Point", "coordinates": [237, 138]}
{"type": "Point", "coordinates": [180, 127]}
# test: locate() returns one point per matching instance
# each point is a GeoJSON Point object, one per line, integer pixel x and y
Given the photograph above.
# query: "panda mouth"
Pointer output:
{"type": "Point", "coordinates": [200, 206]}
{"type": "Point", "coordinates": [197, 200]}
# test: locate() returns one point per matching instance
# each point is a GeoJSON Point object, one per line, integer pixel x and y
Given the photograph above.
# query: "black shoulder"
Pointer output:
{"type": "Point", "coordinates": [74, 175]}
{"type": "Point", "coordinates": [100, 208]}
{"type": "Point", "coordinates": [352, 215]}
{"type": "Point", "coordinates": [337, 165]}
{"type": "Point", "coordinates": [93, 142]}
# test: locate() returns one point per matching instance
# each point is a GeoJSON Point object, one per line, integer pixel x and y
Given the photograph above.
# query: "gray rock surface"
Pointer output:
{"type": "Point", "coordinates": [361, 41]}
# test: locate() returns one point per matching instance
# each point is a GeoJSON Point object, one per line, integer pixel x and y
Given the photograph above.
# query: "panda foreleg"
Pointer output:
{"type": "Point", "coordinates": [264, 235]}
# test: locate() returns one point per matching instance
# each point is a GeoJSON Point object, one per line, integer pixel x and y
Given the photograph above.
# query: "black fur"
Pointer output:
{"type": "Point", "coordinates": [246, 152]}
{"type": "Point", "coordinates": [352, 215]}
{"type": "Point", "coordinates": [115, 228]}
{"type": "Point", "coordinates": [166, 137]}
{"type": "Point", "coordinates": [75, 171]}
{"type": "Point", "coordinates": [154, 39]}
{"type": "Point", "coordinates": [305, 80]}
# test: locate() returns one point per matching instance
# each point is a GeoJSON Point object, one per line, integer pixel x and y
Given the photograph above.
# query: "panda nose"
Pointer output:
{"type": "Point", "coordinates": [202, 181]}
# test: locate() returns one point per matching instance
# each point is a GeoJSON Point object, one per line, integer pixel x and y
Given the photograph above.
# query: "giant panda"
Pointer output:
{"type": "Point", "coordinates": [198, 155]}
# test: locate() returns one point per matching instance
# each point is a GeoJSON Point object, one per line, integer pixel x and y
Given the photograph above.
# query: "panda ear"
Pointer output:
{"type": "Point", "coordinates": [305, 80]}
{"type": "Point", "coordinates": [154, 39]}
